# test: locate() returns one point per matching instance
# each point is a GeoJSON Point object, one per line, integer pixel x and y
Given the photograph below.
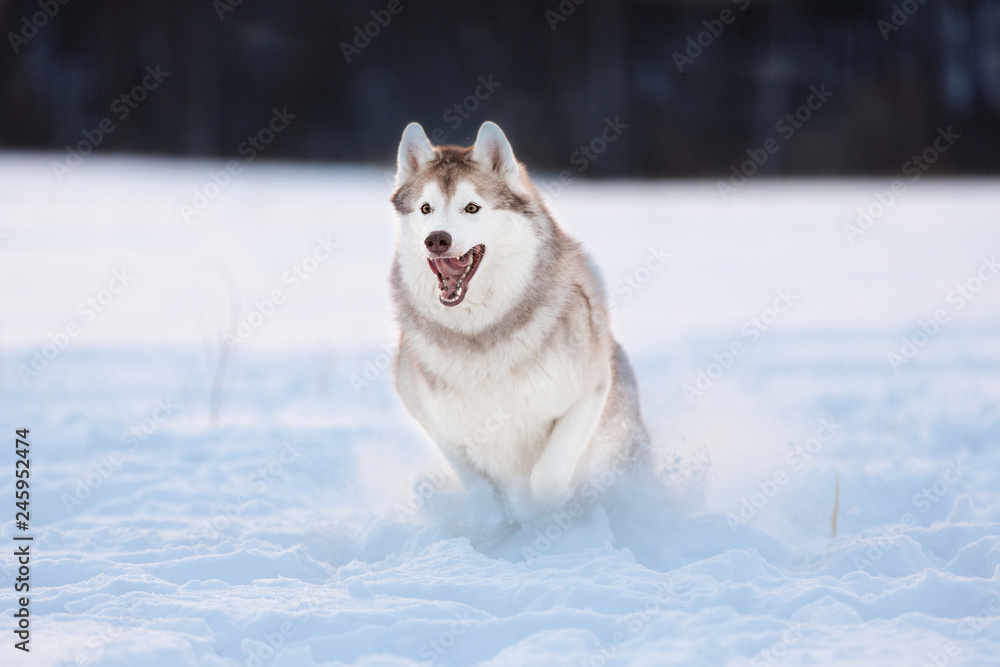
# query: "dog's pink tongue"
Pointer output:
{"type": "Point", "coordinates": [451, 267]}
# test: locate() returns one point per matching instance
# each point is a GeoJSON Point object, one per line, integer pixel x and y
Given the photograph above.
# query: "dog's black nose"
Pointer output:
{"type": "Point", "coordinates": [438, 242]}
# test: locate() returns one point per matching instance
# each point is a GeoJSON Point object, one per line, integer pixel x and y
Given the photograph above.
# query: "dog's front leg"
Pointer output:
{"type": "Point", "coordinates": [553, 472]}
{"type": "Point", "coordinates": [459, 464]}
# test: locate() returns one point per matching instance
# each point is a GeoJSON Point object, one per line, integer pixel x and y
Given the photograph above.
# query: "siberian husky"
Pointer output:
{"type": "Point", "coordinates": [505, 357]}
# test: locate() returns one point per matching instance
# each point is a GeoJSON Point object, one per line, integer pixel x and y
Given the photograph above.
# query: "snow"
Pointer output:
{"type": "Point", "coordinates": [278, 507]}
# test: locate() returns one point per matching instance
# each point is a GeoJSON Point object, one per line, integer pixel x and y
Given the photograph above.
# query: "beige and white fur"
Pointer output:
{"type": "Point", "coordinates": [522, 382]}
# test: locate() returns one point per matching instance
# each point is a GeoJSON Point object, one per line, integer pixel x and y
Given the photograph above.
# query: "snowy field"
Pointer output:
{"type": "Point", "coordinates": [270, 502]}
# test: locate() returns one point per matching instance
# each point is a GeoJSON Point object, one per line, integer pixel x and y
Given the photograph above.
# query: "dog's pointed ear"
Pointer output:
{"type": "Point", "coordinates": [493, 151]}
{"type": "Point", "coordinates": [414, 152]}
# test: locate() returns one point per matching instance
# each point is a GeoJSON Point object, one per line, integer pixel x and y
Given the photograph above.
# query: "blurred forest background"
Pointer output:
{"type": "Point", "coordinates": [696, 86]}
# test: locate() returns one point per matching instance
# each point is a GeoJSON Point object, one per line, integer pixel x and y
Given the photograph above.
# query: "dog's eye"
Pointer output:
{"type": "Point", "coordinates": [425, 209]}
{"type": "Point", "coordinates": [472, 208]}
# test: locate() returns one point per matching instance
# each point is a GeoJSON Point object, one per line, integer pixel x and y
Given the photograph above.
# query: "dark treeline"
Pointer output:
{"type": "Point", "coordinates": [675, 88]}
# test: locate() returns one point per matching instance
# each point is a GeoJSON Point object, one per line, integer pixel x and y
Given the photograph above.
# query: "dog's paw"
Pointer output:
{"type": "Point", "coordinates": [549, 490]}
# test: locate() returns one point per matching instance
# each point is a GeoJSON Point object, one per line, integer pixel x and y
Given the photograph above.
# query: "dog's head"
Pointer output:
{"type": "Point", "coordinates": [471, 224]}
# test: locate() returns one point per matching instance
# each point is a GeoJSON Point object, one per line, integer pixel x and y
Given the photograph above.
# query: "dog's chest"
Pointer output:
{"type": "Point", "coordinates": [500, 417]}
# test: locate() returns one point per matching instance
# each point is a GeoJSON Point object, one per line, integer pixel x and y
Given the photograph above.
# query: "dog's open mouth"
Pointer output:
{"type": "Point", "coordinates": [454, 274]}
